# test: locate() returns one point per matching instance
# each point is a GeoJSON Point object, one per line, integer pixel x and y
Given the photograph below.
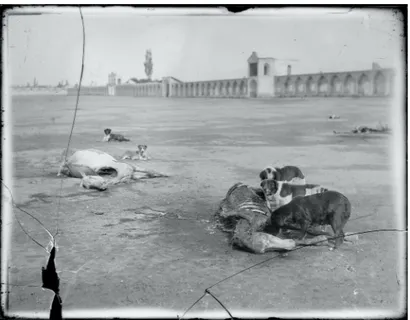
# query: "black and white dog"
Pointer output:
{"type": "Point", "coordinates": [327, 208]}
{"type": "Point", "coordinates": [113, 137]}
{"type": "Point", "coordinates": [279, 193]}
{"type": "Point", "coordinates": [290, 174]}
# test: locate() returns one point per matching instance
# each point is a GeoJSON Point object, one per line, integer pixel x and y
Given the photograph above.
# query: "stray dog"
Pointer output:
{"type": "Point", "coordinates": [281, 193]}
{"type": "Point", "coordinates": [327, 208]}
{"type": "Point", "coordinates": [113, 137]}
{"type": "Point", "coordinates": [288, 174]}
{"type": "Point", "coordinates": [140, 153]}
{"type": "Point", "coordinates": [333, 116]}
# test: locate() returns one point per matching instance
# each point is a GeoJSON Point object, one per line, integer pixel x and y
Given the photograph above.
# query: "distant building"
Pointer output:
{"type": "Point", "coordinates": [262, 81]}
{"type": "Point", "coordinates": [112, 79]}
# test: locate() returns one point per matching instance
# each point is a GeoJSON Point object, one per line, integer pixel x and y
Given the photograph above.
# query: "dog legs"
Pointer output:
{"type": "Point", "coordinates": [337, 225]}
{"type": "Point", "coordinates": [303, 228]}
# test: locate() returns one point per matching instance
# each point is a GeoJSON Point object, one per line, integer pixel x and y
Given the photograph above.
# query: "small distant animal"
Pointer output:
{"type": "Point", "coordinates": [333, 116]}
{"type": "Point", "coordinates": [139, 154]}
{"type": "Point", "coordinates": [281, 193]}
{"type": "Point", "coordinates": [288, 174]}
{"type": "Point", "coordinates": [109, 136]}
{"type": "Point", "coordinates": [327, 208]}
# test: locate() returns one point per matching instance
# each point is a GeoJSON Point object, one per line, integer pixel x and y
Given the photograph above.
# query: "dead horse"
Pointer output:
{"type": "Point", "coordinates": [244, 203]}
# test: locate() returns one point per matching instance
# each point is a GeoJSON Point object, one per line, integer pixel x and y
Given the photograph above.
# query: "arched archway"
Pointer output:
{"type": "Point", "coordinates": [201, 89]}
{"type": "Point", "coordinates": [266, 69]}
{"type": "Point", "coordinates": [242, 88]}
{"type": "Point", "coordinates": [322, 85]}
{"type": "Point", "coordinates": [286, 87]}
{"type": "Point", "coordinates": [289, 87]}
{"type": "Point", "coordinates": [379, 84]}
{"type": "Point", "coordinates": [253, 88]}
{"type": "Point", "coordinates": [220, 89]}
{"type": "Point", "coordinates": [364, 85]}
{"type": "Point", "coordinates": [310, 86]}
{"type": "Point", "coordinates": [228, 89]}
{"type": "Point", "coordinates": [196, 91]}
{"type": "Point", "coordinates": [213, 89]}
{"type": "Point", "coordinates": [208, 89]}
{"type": "Point", "coordinates": [299, 86]}
{"type": "Point", "coordinates": [235, 89]}
{"type": "Point", "coordinates": [205, 92]}
{"type": "Point", "coordinates": [349, 86]}
{"type": "Point", "coordinates": [335, 85]}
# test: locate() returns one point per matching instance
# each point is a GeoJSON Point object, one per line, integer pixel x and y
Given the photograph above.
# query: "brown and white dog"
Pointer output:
{"type": "Point", "coordinates": [280, 193]}
{"type": "Point", "coordinates": [113, 136]}
{"type": "Point", "coordinates": [289, 174]}
{"type": "Point", "coordinates": [139, 154]}
{"type": "Point", "coordinates": [327, 208]}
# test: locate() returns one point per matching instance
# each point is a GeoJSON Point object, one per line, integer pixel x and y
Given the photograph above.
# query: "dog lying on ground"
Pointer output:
{"type": "Point", "coordinates": [288, 174]}
{"type": "Point", "coordinates": [333, 116]}
{"type": "Point", "coordinates": [279, 193]}
{"type": "Point", "coordinates": [139, 154]}
{"type": "Point", "coordinates": [113, 137]}
{"type": "Point", "coordinates": [327, 208]}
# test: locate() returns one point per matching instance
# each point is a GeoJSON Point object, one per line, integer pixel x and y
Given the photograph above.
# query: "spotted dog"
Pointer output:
{"type": "Point", "coordinates": [139, 154]}
{"type": "Point", "coordinates": [327, 208]}
{"type": "Point", "coordinates": [142, 150]}
{"type": "Point", "coordinates": [113, 136]}
{"type": "Point", "coordinates": [279, 193]}
{"type": "Point", "coordinates": [288, 174]}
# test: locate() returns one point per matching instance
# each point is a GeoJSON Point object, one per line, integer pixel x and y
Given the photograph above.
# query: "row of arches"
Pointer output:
{"type": "Point", "coordinates": [210, 89]}
{"type": "Point", "coordinates": [89, 91]}
{"type": "Point", "coordinates": [364, 86]}
{"type": "Point", "coordinates": [141, 90]}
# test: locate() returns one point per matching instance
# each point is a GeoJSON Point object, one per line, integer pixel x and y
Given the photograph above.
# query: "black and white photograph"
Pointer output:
{"type": "Point", "coordinates": [211, 162]}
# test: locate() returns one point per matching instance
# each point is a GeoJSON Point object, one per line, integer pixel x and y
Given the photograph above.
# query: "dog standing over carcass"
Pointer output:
{"type": "Point", "coordinates": [245, 214]}
{"type": "Point", "coordinates": [279, 193]}
{"type": "Point", "coordinates": [327, 208]}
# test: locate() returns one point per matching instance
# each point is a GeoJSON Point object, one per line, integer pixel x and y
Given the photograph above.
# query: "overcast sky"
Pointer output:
{"type": "Point", "coordinates": [194, 48]}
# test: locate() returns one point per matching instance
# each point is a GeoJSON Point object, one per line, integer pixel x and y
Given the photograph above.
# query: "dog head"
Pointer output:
{"type": "Point", "coordinates": [142, 148]}
{"type": "Point", "coordinates": [270, 187]}
{"type": "Point", "coordinates": [284, 214]}
{"type": "Point", "coordinates": [268, 173]}
{"type": "Point", "coordinates": [107, 131]}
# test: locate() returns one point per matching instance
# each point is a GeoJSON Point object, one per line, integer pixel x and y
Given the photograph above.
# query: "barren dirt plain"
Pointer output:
{"type": "Point", "coordinates": [150, 244]}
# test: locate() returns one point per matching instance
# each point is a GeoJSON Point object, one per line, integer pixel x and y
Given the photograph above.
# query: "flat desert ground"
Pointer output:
{"type": "Point", "coordinates": [150, 244]}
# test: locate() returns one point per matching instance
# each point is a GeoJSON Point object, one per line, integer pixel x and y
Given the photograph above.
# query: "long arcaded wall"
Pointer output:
{"type": "Point", "coordinates": [375, 82]}
{"type": "Point", "coordinates": [89, 91]}
{"type": "Point", "coordinates": [234, 88]}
